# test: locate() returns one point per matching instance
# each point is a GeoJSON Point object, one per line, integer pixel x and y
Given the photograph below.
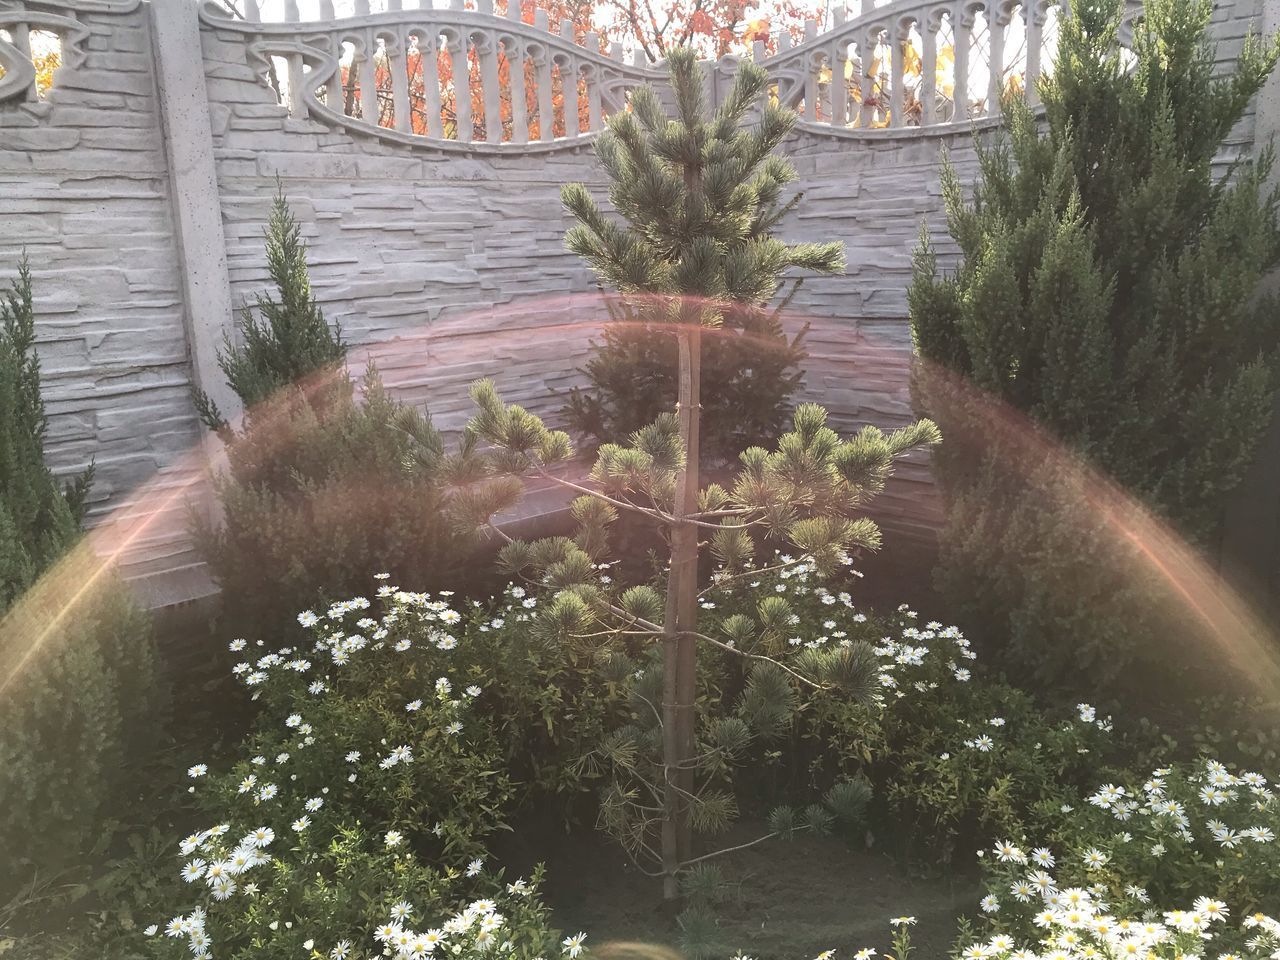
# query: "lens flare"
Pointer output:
{"type": "Point", "coordinates": [544, 341]}
{"type": "Point", "coordinates": [1215, 624]}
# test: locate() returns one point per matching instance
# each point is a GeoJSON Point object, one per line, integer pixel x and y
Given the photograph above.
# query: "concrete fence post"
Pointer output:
{"type": "Point", "coordinates": [193, 187]}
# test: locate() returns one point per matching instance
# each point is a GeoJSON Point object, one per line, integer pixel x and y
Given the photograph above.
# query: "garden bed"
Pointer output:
{"type": "Point", "coordinates": [780, 899]}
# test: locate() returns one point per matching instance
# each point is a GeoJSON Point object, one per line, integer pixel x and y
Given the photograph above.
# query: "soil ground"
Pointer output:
{"type": "Point", "coordinates": [784, 899]}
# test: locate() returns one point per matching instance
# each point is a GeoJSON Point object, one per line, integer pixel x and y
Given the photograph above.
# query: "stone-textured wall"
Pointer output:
{"type": "Point", "coordinates": [448, 268]}
{"type": "Point", "coordinates": [84, 191]}
{"type": "Point", "coordinates": [442, 266]}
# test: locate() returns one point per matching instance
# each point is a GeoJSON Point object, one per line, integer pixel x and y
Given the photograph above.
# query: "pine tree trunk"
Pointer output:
{"type": "Point", "coordinates": [680, 670]}
{"type": "Point", "coordinates": [686, 541]}
{"type": "Point", "coordinates": [680, 652]}
{"type": "Point", "coordinates": [670, 750]}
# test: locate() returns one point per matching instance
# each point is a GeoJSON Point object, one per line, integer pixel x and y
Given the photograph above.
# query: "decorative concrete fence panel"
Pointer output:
{"type": "Point", "coordinates": [423, 149]}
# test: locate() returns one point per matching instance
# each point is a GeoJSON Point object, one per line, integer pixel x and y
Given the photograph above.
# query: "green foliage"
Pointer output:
{"type": "Point", "coordinates": [749, 375]}
{"type": "Point", "coordinates": [700, 935]}
{"type": "Point", "coordinates": [322, 499]}
{"type": "Point", "coordinates": [754, 703]}
{"type": "Point", "coordinates": [326, 482]}
{"type": "Point", "coordinates": [953, 756]}
{"type": "Point", "coordinates": [801, 492]}
{"type": "Point", "coordinates": [77, 713]}
{"type": "Point", "coordinates": [1240, 732]}
{"type": "Point", "coordinates": [782, 821]}
{"type": "Point", "coordinates": [63, 916]}
{"type": "Point", "coordinates": [77, 662]}
{"type": "Point", "coordinates": [385, 755]}
{"type": "Point", "coordinates": [39, 519]}
{"type": "Point", "coordinates": [984, 761]}
{"type": "Point", "coordinates": [704, 882]}
{"type": "Point", "coordinates": [1107, 289]}
{"type": "Point", "coordinates": [700, 197]}
{"type": "Point", "coordinates": [286, 341]}
{"type": "Point", "coordinates": [848, 799]}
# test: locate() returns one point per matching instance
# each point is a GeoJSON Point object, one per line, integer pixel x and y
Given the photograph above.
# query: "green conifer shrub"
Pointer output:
{"type": "Point", "coordinates": [77, 661]}
{"type": "Point", "coordinates": [287, 340]}
{"type": "Point", "coordinates": [1107, 293]}
{"type": "Point", "coordinates": [326, 484]}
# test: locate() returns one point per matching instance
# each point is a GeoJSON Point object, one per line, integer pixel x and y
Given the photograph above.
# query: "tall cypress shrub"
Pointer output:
{"type": "Point", "coordinates": [327, 484]}
{"type": "Point", "coordinates": [285, 338]}
{"type": "Point", "coordinates": [77, 661]}
{"type": "Point", "coordinates": [1108, 291]}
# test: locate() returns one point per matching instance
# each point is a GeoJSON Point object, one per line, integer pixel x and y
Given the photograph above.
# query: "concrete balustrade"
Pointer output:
{"type": "Point", "coordinates": [909, 63]}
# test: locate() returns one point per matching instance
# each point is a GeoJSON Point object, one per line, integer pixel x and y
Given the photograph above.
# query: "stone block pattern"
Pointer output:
{"type": "Point", "coordinates": [443, 268]}
{"type": "Point", "coordinates": [440, 267]}
{"type": "Point", "coordinates": [84, 192]}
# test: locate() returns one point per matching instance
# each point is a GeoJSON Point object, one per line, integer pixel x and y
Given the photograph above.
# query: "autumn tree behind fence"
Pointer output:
{"type": "Point", "coordinates": [862, 83]}
{"type": "Point", "coordinates": [651, 30]}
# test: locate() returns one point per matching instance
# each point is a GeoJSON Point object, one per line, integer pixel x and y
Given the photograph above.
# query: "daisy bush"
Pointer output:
{"type": "Point", "coordinates": [984, 759]}
{"type": "Point", "coordinates": [954, 753]}
{"type": "Point", "coordinates": [397, 740]}
{"type": "Point", "coordinates": [786, 609]}
{"type": "Point", "coordinates": [1093, 931]}
{"type": "Point", "coordinates": [356, 821]}
{"type": "Point", "coordinates": [1090, 931]}
{"type": "Point", "coordinates": [1194, 841]}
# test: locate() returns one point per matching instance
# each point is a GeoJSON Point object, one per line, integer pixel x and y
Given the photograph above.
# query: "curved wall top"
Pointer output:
{"type": "Point", "coordinates": [903, 68]}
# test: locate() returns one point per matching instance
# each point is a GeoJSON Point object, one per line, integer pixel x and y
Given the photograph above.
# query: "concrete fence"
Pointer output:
{"type": "Point", "coordinates": [139, 184]}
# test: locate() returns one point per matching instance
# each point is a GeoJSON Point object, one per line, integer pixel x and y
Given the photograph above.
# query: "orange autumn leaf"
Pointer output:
{"type": "Point", "coordinates": [756, 30]}
{"type": "Point", "coordinates": [46, 57]}
{"type": "Point", "coordinates": [912, 65]}
{"type": "Point", "coordinates": [701, 23]}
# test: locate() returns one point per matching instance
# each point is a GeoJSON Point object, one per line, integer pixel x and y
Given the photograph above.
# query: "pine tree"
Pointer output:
{"type": "Point", "coordinates": [699, 197]}
{"type": "Point", "coordinates": [1108, 290]}
{"type": "Point", "coordinates": [327, 483]}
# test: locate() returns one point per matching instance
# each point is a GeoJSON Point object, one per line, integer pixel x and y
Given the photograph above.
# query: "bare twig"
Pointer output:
{"type": "Point", "coordinates": [741, 846]}
{"type": "Point", "coordinates": [754, 572]}
{"type": "Point", "coordinates": [655, 628]}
